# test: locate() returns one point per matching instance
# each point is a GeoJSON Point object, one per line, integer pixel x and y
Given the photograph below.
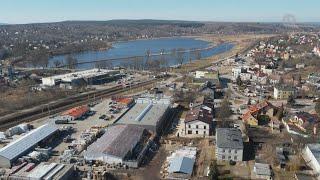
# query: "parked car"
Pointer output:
{"type": "Point", "coordinates": [102, 116]}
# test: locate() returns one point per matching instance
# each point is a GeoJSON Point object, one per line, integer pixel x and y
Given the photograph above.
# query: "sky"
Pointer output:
{"type": "Point", "coordinates": [33, 11]}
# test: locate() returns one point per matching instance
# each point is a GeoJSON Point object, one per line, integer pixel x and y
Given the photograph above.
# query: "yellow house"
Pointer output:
{"type": "Point", "coordinates": [249, 119]}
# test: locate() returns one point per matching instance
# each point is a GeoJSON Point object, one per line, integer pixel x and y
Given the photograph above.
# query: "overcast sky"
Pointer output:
{"type": "Point", "coordinates": [30, 11]}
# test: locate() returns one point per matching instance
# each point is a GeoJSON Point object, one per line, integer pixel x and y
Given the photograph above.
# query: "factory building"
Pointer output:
{"type": "Point", "coordinates": [150, 113]}
{"type": "Point", "coordinates": [24, 144]}
{"type": "Point", "coordinates": [81, 78]}
{"type": "Point", "coordinates": [121, 144]}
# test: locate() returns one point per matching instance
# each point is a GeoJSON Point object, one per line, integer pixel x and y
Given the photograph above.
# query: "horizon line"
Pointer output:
{"type": "Point", "coordinates": [203, 21]}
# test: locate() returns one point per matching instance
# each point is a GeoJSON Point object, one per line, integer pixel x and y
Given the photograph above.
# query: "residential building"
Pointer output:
{"type": "Point", "coordinates": [314, 79]}
{"type": "Point", "coordinates": [302, 123]}
{"type": "Point", "coordinates": [229, 144]}
{"type": "Point", "coordinates": [198, 121]}
{"type": "Point", "coordinates": [257, 114]}
{"type": "Point", "coordinates": [236, 71]}
{"type": "Point", "coordinates": [283, 92]}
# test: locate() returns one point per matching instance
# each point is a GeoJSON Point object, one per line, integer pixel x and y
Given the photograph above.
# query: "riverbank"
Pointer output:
{"type": "Point", "coordinates": [241, 44]}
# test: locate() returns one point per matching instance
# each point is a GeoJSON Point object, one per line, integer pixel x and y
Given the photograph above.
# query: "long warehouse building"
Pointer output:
{"type": "Point", "coordinates": [89, 77]}
{"type": "Point", "coordinates": [24, 144]}
{"type": "Point", "coordinates": [150, 113]}
{"type": "Point", "coordinates": [121, 144]}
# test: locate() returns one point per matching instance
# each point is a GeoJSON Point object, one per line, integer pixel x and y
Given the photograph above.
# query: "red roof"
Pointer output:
{"type": "Point", "coordinates": [77, 112]}
{"type": "Point", "coordinates": [199, 114]}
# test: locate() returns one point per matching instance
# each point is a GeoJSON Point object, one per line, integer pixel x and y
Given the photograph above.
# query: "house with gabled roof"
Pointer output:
{"type": "Point", "coordinates": [198, 121]}
{"type": "Point", "coordinates": [302, 123]}
{"type": "Point", "coordinates": [258, 113]}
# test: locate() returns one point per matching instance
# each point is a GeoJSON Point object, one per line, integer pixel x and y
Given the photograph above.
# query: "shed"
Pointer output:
{"type": "Point", "coordinates": [181, 165]}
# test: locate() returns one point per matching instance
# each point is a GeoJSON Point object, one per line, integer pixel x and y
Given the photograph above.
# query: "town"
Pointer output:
{"type": "Point", "coordinates": [147, 99]}
{"type": "Point", "coordinates": [254, 115]}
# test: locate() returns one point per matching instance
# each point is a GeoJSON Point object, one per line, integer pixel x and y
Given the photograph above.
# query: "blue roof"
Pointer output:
{"type": "Point", "coordinates": [181, 165]}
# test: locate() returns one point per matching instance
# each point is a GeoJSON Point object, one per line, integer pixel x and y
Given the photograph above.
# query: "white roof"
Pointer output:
{"type": "Point", "coordinates": [262, 169]}
{"type": "Point", "coordinates": [19, 146]}
{"type": "Point", "coordinates": [80, 74]}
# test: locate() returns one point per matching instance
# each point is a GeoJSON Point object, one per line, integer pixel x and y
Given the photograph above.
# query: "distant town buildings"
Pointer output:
{"type": "Point", "coordinates": [229, 144]}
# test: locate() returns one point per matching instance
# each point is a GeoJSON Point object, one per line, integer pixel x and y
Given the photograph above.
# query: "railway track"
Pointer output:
{"type": "Point", "coordinates": [65, 104]}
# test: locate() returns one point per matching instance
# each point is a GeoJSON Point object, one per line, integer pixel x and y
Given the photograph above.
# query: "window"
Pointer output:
{"type": "Point", "coordinates": [204, 132]}
{"type": "Point", "coordinates": [189, 132]}
{"type": "Point", "coordinates": [229, 157]}
{"type": "Point", "coordinates": [229, 150]}
{"type": "Point", "coordinates": [197, 126]}
{"type": "Point", "coordinates": [223, 156]}
{"type": "Point", "coordinates": [189, 126]}
{"type": "Point", "coordinates": [223, 150]}
{"type": "Point", "coordinates": [235, 158]}
{"type": "Point", "coordinates": [196, 132]}
{"type": "Point", "coordinates": [204, 127]}
{"type": "Point", "coordinates": [235, 151]}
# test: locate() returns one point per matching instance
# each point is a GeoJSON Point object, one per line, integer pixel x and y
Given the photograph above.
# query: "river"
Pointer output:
{"type": "Point", "coordinates": [124, 52]}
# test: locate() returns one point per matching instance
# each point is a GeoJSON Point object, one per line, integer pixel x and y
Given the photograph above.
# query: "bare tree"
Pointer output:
{"type": "Point", "coordinates": [180, 56]}
{"type": "Point", "coordinates": [148, 58]}
{"type": "Point", "coordinates": [101, 64]}
{"type": "Point", "coordinates": [71, 62]}
{"type": "Point", "coordinates": [57, 63]}
{"type": "Point", "coordinates": [163, 60]}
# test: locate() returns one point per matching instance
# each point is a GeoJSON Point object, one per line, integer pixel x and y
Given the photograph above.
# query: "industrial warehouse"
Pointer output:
{"type": "Point", "coordinates": [54, 171]}
{"type": "Point", "coordinates": [81, 78]}
{"type": "Point", "coordinates": [121, 144]}
{"type": "Point", "coordinates": [148, 112]}
{"type": "Point", "coordinates": [10, 153]}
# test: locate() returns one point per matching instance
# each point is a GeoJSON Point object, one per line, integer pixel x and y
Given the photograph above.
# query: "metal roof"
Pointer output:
{"type": "Point", "coordinates": [81, 74]}
{"type": "Point", "coordinates": [181, 165]}
{"type": "Point", "coordinates": [315, 150]}
{"type": "Point", "coordinates": [146, 111]}
{"type": "Point", "coordinates": [229, 138]}
{"type": "Point", "coordinates": [117, 141]}
{"type": "Point", "coordinates": [19, 146]}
